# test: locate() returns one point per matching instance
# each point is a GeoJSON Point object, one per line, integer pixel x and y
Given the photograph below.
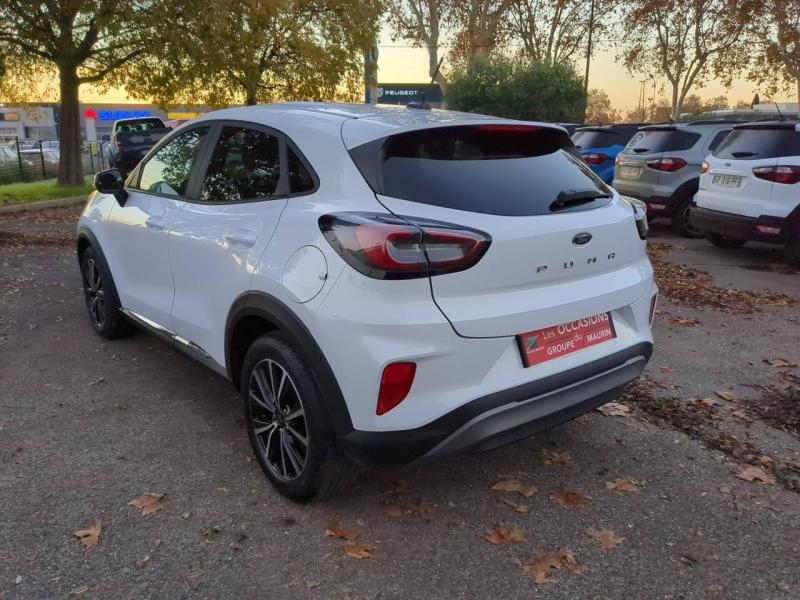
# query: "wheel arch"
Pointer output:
{"type": "Point", "coordinates": [687, 188]}
{"type": "Point", "coordinates": [256, 313]}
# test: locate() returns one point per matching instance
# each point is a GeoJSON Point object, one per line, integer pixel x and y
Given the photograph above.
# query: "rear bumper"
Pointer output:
{"type": "Point", "coordinates": [503, 417]}
{"type": "Point", "coordinates": [657, 205]}
{"type": "Point", "coordinates": [739, 227]}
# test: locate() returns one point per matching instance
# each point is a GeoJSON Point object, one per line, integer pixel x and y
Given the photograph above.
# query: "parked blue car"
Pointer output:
{"type": "Point", "coordinates": [600, 144]}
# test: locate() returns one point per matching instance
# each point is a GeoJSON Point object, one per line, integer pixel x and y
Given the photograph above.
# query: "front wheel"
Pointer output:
{"type": "Point", "coordinates": [287, 423]}
{"type": "Point", "coordinates": [680, 221]}
{"type": "Point", "coordinates": [102, 301]}
{"type": "Point", "coordinates": [721, 241]}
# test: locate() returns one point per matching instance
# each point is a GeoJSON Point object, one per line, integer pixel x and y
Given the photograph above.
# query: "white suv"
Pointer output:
{"type": "Point", "coordinates": [382, 285]}
{"type": "Point", "coordinates": [750, 188]}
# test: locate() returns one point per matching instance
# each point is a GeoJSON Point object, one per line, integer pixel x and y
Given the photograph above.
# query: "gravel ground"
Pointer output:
{"type": "Point", "coordinates": [87, 425]}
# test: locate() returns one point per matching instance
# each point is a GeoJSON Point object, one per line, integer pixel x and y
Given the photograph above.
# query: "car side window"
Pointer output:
{"type": "Point", "coordinates": [300, 180]}
{"type": "Point", "coordinates": [168, 171]}
{"type": "Point", "coordinates": [245, 165]}
{"type": "Point", "coordinates": [721, 135]}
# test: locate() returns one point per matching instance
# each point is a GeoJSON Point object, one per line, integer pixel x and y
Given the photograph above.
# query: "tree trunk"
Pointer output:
{"type": "Point", "coordinates": [70, 171]}
{"type": "Point", "coordinates": [798, 94]}
{"type": "Point", "coordinates": [676, 109]}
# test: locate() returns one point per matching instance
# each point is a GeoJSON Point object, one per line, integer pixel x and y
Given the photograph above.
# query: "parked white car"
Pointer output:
{"type": "Point", "coordinates": [382, 285]}
{"type": "Point", "coordinates": [750, 188]}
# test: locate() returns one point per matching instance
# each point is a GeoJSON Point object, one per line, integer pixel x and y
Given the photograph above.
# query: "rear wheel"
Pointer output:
{"type": "Point", "coordinates": [793, 252]}
{"type": "Point", "coordinates": [721, 241]}
{"type": "Point", "coordinates": [102, 301]}
{"type": "Point", "coordinates": [287, 424]}
{"type": "Point", "coordinates": [680, 221]}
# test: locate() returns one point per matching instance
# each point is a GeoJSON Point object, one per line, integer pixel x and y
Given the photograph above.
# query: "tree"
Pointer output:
{"type": "Point", "coordinates": [599, 110]}
{"type": "Point", "coordinates": [479, 28]}
{"type": "Point", "coordinates": [518, 89]}
{"type": "Point", "coordinates": [556, 30]}
{"type": "Point", "coordinates": [687, 41]}
{"type": "Point", "coordinates": [84, 41]}
{"type": "Point", "coordinates": [777, 65]}
{"type": "Point", "coordinates": [253, 51]}
{"type": "Point", "coordinates": [420, 21]}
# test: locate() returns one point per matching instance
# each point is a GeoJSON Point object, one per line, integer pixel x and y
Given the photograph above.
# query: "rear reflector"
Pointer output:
{"type": "Point", "coordinates": [788, 174]}
{"type": "Point", "coordinates": [395, 384]}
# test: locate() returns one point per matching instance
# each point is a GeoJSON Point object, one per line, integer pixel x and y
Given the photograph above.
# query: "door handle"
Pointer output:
{"type": "Point", "coordinates": [241, 237]}
{"type": "Point", "coordinates": [157, 223]}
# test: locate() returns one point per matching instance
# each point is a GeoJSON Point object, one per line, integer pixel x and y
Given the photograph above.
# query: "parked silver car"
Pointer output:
{"type": "Point", "coordinates": [661, 166]}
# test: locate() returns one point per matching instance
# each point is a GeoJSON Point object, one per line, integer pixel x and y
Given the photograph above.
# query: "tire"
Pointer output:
{"type": "Point", "coordinates": [792, 252]}
{"type": "Point", "coordinates": [102, 300]}
{"type": "Point", "coordinates": [721, 241]}
{"type": "Point", "coordinates": [294, 445]}
{"type": "Point", "coordinates": [680, 220]}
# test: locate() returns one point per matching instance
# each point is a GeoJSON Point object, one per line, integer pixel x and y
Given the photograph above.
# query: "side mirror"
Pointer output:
{"type": "Point", "coordinates": [110, 181]}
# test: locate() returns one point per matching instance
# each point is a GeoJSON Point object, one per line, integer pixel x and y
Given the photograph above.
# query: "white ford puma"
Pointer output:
{"type": "Point", "coordinates": [382, 285]}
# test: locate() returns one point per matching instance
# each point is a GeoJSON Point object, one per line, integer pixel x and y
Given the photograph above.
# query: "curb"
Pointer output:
{"type": "Point", "coordinates": [43, 204]}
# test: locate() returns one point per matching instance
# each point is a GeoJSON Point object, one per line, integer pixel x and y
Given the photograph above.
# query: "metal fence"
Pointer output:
{"type": "Point", "coordinates": [22, 160]}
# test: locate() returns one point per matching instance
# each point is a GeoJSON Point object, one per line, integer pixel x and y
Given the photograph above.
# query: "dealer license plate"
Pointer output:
{"type": "Point", "coordinates": [733, 181]}
{"type": "Point", "coordinates": [546, 344]}
{"type": "Point", "coordinates": [630, 172]}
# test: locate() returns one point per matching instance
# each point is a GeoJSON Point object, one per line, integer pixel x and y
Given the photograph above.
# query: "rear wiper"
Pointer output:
{"type": "Point", "coordinates": [575, 197]}
{"type": "Point", "coordinates": [640, 150]}
{"type": "Point", "coordinates": [743, 154]}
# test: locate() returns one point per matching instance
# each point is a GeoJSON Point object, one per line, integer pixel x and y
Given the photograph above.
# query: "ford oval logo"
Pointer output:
{"type": "Point", "coordinates": [582, 239]}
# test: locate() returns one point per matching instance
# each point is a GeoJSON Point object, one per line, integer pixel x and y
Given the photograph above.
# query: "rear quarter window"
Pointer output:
{"type": "Point", "coordinates": [491, 169]}
{"type": "Point", "coordinates": [756, 144]}
{"type": "Point", "coordinates": [661, 140]}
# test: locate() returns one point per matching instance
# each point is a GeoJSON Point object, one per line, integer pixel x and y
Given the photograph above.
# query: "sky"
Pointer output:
{"type": "Point", "coordinates": [399, 62]}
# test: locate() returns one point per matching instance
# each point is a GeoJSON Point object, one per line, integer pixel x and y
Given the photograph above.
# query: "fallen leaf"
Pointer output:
{"type": "Point", "coordinates": [504, 534]}
{"type": "Point", "coordinates": [515, 485]}
{"type": "Point", "coordinates": [335, 530]}
{"type": "Point", "coordinates": [520, 508]}
{"type": "Point", "coordinates": [726, 396]}
{"type": "Point", "coordinates": [570, 499]}
{"type": "Point", "coordinates": [421, 510]}
{"type": "Point", "coordinates": [623, 485]}
{"type": "Point", "coordinates": [541, 565]}
{"type": "Point", "coordinates": [780, 362]}
{"type": "Point", "coordinates": [394, 488]}
{"type": "Point", "coordinates": [606, 537]}
{"type": "Point", "coordinates": [91, 535]}
{"type": "Point", "coordinates": [148, 503]}
{"type": "Point", "coordinates": [615, 409]}
{"type": "Point", "coordinates": [79, 591]}
{"type": "Point", "coordinates": [741, 415]}
{"type": "Point", "coordinates": [755, 473]}
{"type": "Point", "coordinates": [359, 550]}
{"type": "Point", "coordinates": [666, 369]}
{"type": "Point", "coordinates": [392, 511]}
{"type": "Point", "coordinates": [555, 458]}
{"type": "Point", "coordinates": [684, 321]}
{"type": "Point", "coordinates": [313, 584]}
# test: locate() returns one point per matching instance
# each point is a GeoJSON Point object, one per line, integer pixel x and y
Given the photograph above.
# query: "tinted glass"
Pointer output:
{"type": "Point", "coordinates": [754, 144]}
{"type": "Point", "coordinates": [500, 170]}
{"type": "Point", "coordinates": [661, 140]}
{"type": "Point", "coordinates": [141, 125]}
{"type": "Point", "coordinates": [245, 165]}
{"type": "Point", "coordinates": [300, 179]}
{"type": "Point", "coordinates": [168, 171]}
{"type": "Point", "coordinates": [596, 139]}
{"type": "Point", "coordinates": [721, 135]}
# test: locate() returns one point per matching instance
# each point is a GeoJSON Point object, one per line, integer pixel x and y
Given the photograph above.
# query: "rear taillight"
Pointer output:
{"type": "Point", "coordinates": [668, 165]}
{"type": "Point", "coordinates": [595, 158]}
{"type": "Point", "coordinates": [384, 246]}
{"type": "Point", "coordinates": [396, 382]}
{"type": "Point", "coordinates": [704, 168]}
{"type": "Point", "coordinates": [779, 174]}
{"type": "Point", "coordinates": [639, 215]}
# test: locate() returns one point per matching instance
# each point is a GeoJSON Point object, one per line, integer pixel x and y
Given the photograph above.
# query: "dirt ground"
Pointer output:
{"type": "Point", "coordinates": [88, 425]}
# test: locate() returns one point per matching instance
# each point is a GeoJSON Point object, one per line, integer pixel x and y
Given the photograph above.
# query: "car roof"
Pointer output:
{"type": "Point", "coordinates": [355, 123]}
{"type": "Point", "coordinates": [783, 124]}
{"type": "Point", "coordinates": [697, 126]}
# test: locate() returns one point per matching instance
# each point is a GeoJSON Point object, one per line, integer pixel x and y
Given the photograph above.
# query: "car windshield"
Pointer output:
{"type": "Point", "coordinates": [661, 140]}
{"type": "Point", "coordinates": [758, 143]}
{"type": "Point", "coordinates": [492, 169]}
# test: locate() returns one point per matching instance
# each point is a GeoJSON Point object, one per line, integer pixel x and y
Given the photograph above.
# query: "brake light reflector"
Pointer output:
{"type": "Point", "coordinates": [595, 158]}
{"type": "Point", "coordinates": [384, 246]}
{"type": "Point", "coordinates": [704, 168]}
{"type": "Point", "coordinates": [788, 174]}
{"type": "Point", "coordinates": [668, 165]}
{"type": "Point", "coordinates": [396, 382]}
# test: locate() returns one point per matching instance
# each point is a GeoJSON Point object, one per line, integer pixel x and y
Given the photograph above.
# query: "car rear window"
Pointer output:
{"type": "Point", "coordinates": [491, 169]}
{"type": "Point", "coordinates": [755, 144]}
{"type": "Point", "coordinates": [596, 139]}
{"type": "Point", "coordinates": [661, 140]}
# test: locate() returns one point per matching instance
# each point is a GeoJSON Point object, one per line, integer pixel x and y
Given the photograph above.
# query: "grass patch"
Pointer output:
{"type": "Point", "coordinates": [47, 189]}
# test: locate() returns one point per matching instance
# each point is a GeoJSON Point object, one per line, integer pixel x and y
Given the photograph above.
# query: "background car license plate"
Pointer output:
{"type": "Point", "coordinates": [727, 180]}
{"type": "Point", "coordinates": [630, 172]}
{"type": "Point", "coordinates": [546, 344]}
